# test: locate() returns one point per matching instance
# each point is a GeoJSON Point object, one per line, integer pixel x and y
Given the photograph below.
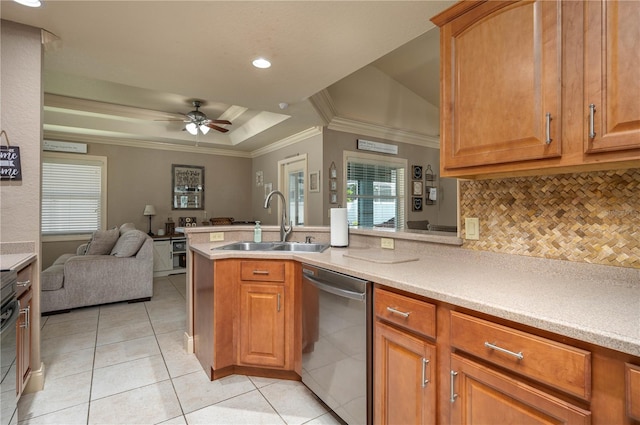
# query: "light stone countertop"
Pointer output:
{"type": "Point", "coordinates": [16, 261]}
{"type": "Point", "coordinates": [593, 303]}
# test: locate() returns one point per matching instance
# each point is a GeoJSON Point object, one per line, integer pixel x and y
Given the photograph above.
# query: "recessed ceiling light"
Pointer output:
{"type": "Point", "coordinates": [261, 63]}
{"type": "Point", "coordinates": [30, 3]}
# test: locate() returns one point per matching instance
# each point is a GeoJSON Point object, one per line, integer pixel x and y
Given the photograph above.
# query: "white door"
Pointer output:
{"type": "Point", "coordinates": [293, 173]}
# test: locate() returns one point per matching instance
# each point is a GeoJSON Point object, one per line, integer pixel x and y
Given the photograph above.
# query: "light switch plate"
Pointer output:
{"type": "Point", "coordinates": [216, 237]}
{"type": "Point", "coordinates": [472, 228]}
{"type": "Point", "coordinates": [387, 243]}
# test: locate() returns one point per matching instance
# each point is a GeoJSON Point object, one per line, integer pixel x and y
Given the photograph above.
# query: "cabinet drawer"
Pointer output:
{"type": "Point", "coordinates": [264, 271]}
{"type": "Point", "coordinates": [633, 391]}
{"type": "Point", "coordinates": [406, 312]}
{"type": "Point", "coordinates": [555, 364]}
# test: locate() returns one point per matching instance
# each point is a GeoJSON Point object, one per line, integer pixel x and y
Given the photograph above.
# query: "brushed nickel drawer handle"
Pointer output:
{"type": "Point", "coordinates": [261, 272]}
{"type": "Point", "coordinates": [25, 283]}
{"type": "Point", "coordinates": [453, 395]}
{"type": "Point", "coordinates": [401, 313]}
{"type": "Point", "coordinates": [517, 355]}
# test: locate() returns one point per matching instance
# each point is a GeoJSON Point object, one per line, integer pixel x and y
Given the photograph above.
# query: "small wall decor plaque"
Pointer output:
{"type": "Point", "coordinates": [10, 168]}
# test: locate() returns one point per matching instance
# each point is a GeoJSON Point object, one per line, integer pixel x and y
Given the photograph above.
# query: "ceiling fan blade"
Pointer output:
{"type": "Point", "coordinates": [173, 120]}
{"type": "Point", "coordinates": [221, 122]}
{"type": "Point", "coordinates": [215, 127]}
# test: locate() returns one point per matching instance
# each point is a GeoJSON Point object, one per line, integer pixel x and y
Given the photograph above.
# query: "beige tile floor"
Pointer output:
{"type": "Point", "coordinates": [125, 364]}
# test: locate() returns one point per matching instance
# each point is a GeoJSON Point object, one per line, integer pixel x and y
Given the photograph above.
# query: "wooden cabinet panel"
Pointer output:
{"type": "Point", "coordinates": [500, 70]}
{"type": "Point", "coordinates": [404, 378]}
{"type": "Point", "coordinates": [484, 396]}
{"type": "Point", "coordinates": [633, 391]}
{"type": "Point", "coordinates": [265, 271]}
{"type": "Point", "coordinates": [162, 260]}
{"type": "Point", "coordinates": [612, 58]}
{"type": "Point", "coordinates": [262, 325]}
{"type": "Point", "coordinates": [561, 366]}
{"type": "Point", "coordinates": [409, 313]}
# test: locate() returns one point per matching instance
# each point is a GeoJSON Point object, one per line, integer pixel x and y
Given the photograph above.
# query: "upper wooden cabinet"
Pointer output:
{"type": "Point", "coordinates": [517, 79]}
{"type": "Point", "coordinates": [612, 75]}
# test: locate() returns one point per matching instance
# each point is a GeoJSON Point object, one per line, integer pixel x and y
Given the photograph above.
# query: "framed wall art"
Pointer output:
{"type": "Point", "coordinates": [187, 187]}
{"type": "Point", "coordinates": [314, 181]}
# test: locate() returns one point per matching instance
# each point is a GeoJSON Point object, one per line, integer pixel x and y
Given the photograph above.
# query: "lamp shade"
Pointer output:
{"type": "Point", "coordinates": [204, 129]}
{"type": "Point", "coordinates": [149, 210]}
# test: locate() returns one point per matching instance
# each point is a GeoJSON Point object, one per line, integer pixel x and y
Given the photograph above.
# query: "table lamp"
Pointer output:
{"type": "Point", "coordinates": [149, 210]}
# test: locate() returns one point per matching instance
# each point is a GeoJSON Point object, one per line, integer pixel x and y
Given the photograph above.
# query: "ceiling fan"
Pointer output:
{"type": "Point", "coordinates": [197, 120]}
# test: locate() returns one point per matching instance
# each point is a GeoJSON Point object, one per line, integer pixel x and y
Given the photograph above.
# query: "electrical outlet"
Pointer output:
{"type": "Point", "coordinates": [216, 237]}
{"type": "Point", "coordinates": [387, 243]}
{"type": "Point", "coordinates": [472, 228]}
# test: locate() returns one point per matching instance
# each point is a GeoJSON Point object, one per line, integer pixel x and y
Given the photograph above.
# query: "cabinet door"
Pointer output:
{"type": "Point", "coordinates": [24, 340]}
{"type": "Point", "coordinates": [405, 387]}
{"type": "Point", "coordinates": [612, 76]}
{"type": "Point", "coordinates": [501, 84]}
{"type": "Point", "coordinates": [262, 325]}
{"type": "Point", "coordinates": [484, 396]}
{"type": "Point", "coordinates": [162, 258]}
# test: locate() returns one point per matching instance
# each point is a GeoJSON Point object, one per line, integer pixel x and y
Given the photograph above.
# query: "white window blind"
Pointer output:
{"type": "Point", "coordinates": [375, 192]}
{"type": "Point", "coordinates": [73, 194]}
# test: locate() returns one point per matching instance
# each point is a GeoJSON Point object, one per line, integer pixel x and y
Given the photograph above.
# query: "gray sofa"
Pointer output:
{"type": "Point", "coordinates": [116, 265]}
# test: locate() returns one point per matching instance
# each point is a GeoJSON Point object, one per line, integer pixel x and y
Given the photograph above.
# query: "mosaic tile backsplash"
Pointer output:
{"type": "Point", "coordinates": [588, 217]}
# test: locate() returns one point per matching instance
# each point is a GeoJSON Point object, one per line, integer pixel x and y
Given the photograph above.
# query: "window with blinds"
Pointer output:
{"type": "Point", "coordinates": [375, 192]}
{"type": "Point", "coordinates": [73, 194]}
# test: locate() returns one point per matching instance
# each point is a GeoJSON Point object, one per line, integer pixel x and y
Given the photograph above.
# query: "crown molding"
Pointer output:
{"type": "Point", "coordinates": [142, 144]}
{"type": "Point", "coordinates": [324, 106]}
{"type": "Point", "coordinates": [387, 133]}
{"type": "Point", "coordinates": [287, 141]}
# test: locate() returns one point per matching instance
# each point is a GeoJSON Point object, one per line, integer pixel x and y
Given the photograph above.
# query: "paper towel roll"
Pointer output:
{"type": "Point", "coordinates": [339, 228]}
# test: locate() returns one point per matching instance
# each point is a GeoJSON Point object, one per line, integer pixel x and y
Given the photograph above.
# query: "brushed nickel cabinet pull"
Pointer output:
{"type": "Point", "coordinates": [401, 313]}
{"type": "Point", "coordinates": [278, 302]}
{"type": "Point", "coordinates": [592, 128]}
{"type": "Point", "coordinates": [25, 311]}
{"type": "Point", "coordinates": [517, 355]}
{"type": "Point", "coordinates": [548, 127]}
{"type": "Point", "coordinates": [453, 393]}
{"type": "Point", "coordinates": [261, 272]}
{"type": "Point", "coordinates": [425, 381]}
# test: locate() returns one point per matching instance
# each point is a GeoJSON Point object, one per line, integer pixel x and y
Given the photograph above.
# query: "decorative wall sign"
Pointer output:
{"type": "Point", "coordinates": [187, 185]}
{"type": "Point", "coordinates": [417, 188]}
{"type": "Point", "coordinates": [368, 145]}
{"type": "Point", "coordinates": [10, 168]}
{"type": "Point", "coordinates": [417, 204]}
{"type": "Point", "coordinates": [417, 172]}
{"type": "Point", "coordinates": [314, 181]}
{"type": "Point", "coordinates": [58, 146]}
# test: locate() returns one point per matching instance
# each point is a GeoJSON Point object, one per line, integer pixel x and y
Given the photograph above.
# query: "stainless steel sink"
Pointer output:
{"type": "Point", "coordinates": [300, 247]}
{"type": "Point", "coordinates": [274, 246]}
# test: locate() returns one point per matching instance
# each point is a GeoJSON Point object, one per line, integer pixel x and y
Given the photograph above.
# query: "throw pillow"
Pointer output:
{"type": "Point", "coordinates": [102, 242]}
{"type": "Point", "coordinates": [129, 243]}
{"type": "Point", "coordinates": [126, 227]}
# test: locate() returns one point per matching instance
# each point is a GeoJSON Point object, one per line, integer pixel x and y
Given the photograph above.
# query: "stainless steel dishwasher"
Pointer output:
{"type": "Point", "coordinates": [337, 342]}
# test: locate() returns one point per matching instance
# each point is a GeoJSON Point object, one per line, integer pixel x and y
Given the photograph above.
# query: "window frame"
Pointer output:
{"type": "Point", "coordinates": [76, 159]}
{"type": "Point", "coordinates": [382, 160]}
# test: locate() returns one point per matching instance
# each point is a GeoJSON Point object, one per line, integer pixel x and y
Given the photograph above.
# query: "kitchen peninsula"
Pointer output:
{"type": "Point", "coordinates": [592, 308]}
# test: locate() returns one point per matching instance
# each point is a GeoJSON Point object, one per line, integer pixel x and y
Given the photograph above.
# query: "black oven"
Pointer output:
{"type": "Point", "coordinates": [9, 312]}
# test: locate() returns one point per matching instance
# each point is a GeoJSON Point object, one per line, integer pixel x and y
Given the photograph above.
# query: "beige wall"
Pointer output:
{"type": "Point", "coordinates": [268, 164]}
{"type": "Point", "coordinates": [21, 118]}
{"type": "Point", "coordinates": [443, 212]}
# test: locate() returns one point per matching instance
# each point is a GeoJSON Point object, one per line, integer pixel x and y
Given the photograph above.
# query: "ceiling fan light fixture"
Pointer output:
{"type": "Point", "coordinates": [29, 3]}
{"type": "Point", "coordinates": [192, 128]}
{"type": "Point", "coordinates": [261, 63]}
{"type": "Point", "coordinates": [204, 129]}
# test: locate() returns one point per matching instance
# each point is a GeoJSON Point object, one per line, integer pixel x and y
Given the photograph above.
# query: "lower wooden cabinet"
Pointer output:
{"type": "Point", "coordinates": [247, 317]}
{"type": "Point", "coordinates": [262, 325]}
{"type": "Point", "coordinates": [405, 384]}
{"type": "Point", "coordinates": [632, 390]}
{"type": "Point", "coordinates": [481, 395]}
